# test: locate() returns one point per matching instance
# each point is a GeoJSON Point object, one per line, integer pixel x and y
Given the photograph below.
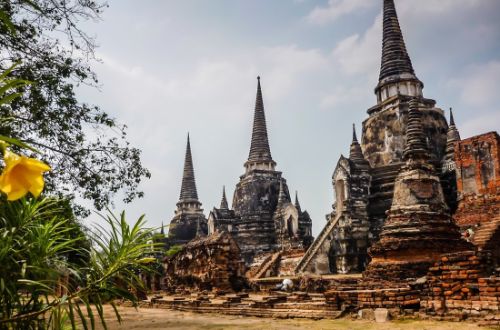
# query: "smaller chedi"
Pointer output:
{"type": "Point", "coordinates": [189, 218]}
{"type": "Point", "coordinates": [292, 225]}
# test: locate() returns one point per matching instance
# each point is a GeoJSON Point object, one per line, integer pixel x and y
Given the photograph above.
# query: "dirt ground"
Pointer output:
{"type": "Point", "coordinates": [145, 318]}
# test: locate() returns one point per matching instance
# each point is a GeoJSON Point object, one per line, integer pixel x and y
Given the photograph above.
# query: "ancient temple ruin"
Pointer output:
{"type": "Point", "coordinates": [414, 228]}
{"type": "Point", "coordinates": [263, 219]}
{"type": "Point", "coordinates": [364, 182]}
{"type": "Point", "coordinates": [206, 263]}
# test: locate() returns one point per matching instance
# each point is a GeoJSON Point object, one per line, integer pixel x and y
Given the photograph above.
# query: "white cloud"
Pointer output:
{"type": "Point", "coordinates": [475, 125]}
{"type": "Point", "coordinates": [478, 84]}
{"type": "Point", "coordinates": [336, 9]}
{"type": "Point", "coordinates": [342, 97]}
{"type": "Point", "coordinates": [476, 94]}
{"type": "Point", "coordinates": [285, 66]}
{"type": "Point", "coordinates": [360, 54]}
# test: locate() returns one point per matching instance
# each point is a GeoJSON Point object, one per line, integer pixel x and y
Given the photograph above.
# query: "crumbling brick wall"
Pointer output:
{"type": "Point", "coordinates": [457, 286]}
{"type": "Point", "coordinates": [478, 179]}
{"type": "Point", "coordinates": [206, 263]}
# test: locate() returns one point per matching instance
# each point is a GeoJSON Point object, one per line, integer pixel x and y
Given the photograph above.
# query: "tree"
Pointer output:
{"type": "Point", "coordinates": [87, 149]}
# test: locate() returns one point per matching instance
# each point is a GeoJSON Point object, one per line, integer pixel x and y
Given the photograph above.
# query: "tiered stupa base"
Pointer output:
{"type": "Point", "coordinates": [418, 230]}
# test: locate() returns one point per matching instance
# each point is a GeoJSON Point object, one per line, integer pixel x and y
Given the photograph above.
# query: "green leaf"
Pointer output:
{"type": "Point", "coordinates": [100, 310]}
{"type": "Point", "coordinates": [117, 313]}
{"type": "Point", "coordinates": [18, 143]}
{"type": "Point", "coordinates": [9, 98]}
{"type": "Point", "coordinates": [71, 314]}
{"type": "Point", "coordinates": [34, 284]}
{"type": "Point", "coordinates": [9, 70]}
{"type": "Point", "coordinates": [89, 312]}
{"type": "Point", "coordinates": [82, 317]}
{"type": "Point", "coordinates": [11, 84]}
{"type": "Point", "coordinates": [34, 5]}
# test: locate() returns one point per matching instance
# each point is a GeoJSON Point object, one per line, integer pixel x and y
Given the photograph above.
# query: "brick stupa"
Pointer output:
{"type": "Point", "coordinates": [419, 228]}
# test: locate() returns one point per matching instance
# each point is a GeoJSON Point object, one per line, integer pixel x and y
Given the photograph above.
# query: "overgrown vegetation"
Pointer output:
{"type": "Point", "coordinates": [53, 274]}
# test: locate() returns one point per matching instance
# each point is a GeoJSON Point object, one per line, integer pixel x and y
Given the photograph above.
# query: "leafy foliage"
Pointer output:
{"type": "Point", "coordinates": [87, 149]}
{"type": "Point", "coordinates": [42, 250]}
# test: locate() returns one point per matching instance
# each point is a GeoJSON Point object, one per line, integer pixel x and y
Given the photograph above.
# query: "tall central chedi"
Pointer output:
{"type": "Point", "coordinates": [384, 138]}
{"type": "Point", "coordinates": [364, 182]}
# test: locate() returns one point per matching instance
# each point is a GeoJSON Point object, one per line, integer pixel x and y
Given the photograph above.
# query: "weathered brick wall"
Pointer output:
{"type": "Point", "coordinates": [457, 286]}
{"type": "Point", "coordinates": [478, 179]}
{"type": "Point", "coordinates": [400, 298]}
{"type": "Point", "coordinates": [206, 263]}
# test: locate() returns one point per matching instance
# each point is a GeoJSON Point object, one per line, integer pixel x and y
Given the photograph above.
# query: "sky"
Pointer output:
{"type": "Point", "coordinates": [171, 67]}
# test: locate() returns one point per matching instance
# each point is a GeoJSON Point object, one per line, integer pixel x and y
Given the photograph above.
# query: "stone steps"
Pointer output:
{"type": "Point", "coordinates": [317, 244]}
{"type": "Point", "coordinates": [485, 232]}
{"type": "Point", "coordinates": [383, 179]}
{"type": "Point", "coordinates": [267, 264]}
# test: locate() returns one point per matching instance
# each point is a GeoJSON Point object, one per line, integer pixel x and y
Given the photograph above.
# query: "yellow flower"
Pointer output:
{"type": "Point", "coordinates": [22, 175]}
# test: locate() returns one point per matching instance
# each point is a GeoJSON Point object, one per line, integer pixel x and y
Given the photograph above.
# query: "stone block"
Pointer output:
{"type": "Point", "coordinates": [381, 315]}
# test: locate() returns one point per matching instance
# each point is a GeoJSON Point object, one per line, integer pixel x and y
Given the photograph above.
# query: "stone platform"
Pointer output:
{"type": "Point", "coordinates": [454, 289]}
{"type": "Point", "coordinates": [276, 305]}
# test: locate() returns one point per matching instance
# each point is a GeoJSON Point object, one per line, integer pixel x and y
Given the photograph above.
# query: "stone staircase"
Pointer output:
{"type": "Point", "coordinates": [483, 235]}
{"type": "Point", "coordinates": [267, 265]}
{"type": "Point", "coordinates": [316, 245]}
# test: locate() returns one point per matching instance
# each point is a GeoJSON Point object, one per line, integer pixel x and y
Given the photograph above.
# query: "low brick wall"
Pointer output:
{"type": "Point", "coordinates": [457, 287]}
{"type": "Point", "coordinates": [401, 298]}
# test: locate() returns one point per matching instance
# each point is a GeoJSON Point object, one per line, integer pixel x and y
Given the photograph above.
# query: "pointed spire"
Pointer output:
{"type": "Point", "coordinates": [199, 232]}
{"type": "Point", "coordinates": [282, 199]}
{"type": "Point", "coordinates": [452, 120]}
{"type": "Point", "coordinates": [395, 58]}
{"type": "Point", "coordinates": [416, 147]}
{"type": "Point", "coordinates": [452, 136]}
{"type": "Point", "coordinates": [188, 189]}
{"type": "Point", "coordinates": [355, 153]}
{"type": "Point", "coordinates": [259, 148]}
{"type": "Point", "coordinates": [223, 202]}
{"type": "Point", "coordinates": [162, 230]}
{"type": "Point", "coordinates": [297, 204]}
{"type": "Point", "coordinates": [354, 137]}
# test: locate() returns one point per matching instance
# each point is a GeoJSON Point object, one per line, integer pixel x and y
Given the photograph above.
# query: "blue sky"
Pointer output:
{"type": "Point", "coordinates": [169, 67]}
